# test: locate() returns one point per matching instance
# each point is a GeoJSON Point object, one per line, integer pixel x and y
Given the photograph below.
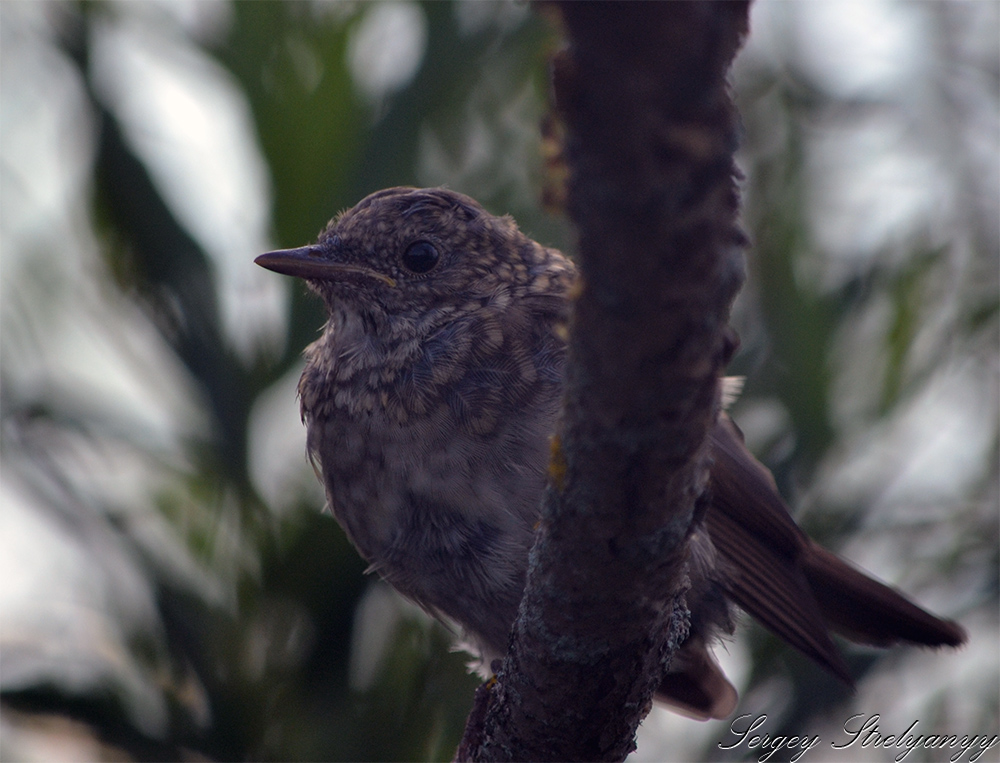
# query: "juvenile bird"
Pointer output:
{"type": "Point", "coordinates": [429, 401]}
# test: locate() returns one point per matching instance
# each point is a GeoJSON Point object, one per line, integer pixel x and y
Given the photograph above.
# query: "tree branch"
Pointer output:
{"type": "Point", "coordinates": [650, 140]}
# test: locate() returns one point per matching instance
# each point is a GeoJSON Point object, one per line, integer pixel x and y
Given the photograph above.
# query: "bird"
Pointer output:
{"type": "Point", "coordinates": [430, 400]}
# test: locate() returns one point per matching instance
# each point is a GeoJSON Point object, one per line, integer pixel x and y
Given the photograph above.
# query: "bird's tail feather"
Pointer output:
{"type": "Point", "coordinates": [793, 586]}
{"type": "Point", "coordinates": [868, 612]}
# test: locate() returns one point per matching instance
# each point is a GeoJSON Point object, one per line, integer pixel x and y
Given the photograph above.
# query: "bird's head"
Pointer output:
{"type": "Point", "coordinates": [415, 253]}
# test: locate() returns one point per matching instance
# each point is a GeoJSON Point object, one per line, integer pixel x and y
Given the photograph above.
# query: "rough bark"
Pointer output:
{"type": "Point", "coordinates": [651, 131]}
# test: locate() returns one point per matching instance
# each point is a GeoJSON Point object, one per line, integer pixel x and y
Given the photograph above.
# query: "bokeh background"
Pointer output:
{"type": "Point", "coordinates": [169, 587]}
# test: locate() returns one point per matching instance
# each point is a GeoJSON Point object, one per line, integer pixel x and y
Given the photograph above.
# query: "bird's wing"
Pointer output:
{"type": "Point", "coordinates": [760, 548]}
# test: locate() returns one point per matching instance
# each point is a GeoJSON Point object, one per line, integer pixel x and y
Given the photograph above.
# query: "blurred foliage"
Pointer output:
{"type": "Point", "coordinates": [255, 633]}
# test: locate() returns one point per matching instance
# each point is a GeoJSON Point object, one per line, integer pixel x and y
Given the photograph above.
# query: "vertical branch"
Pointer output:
{"type": "Point", "coordinates": [650, 139]}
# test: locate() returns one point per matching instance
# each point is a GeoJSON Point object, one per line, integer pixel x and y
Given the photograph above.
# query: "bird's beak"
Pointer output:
{"type": "Point", "coordinates": [314, 263]}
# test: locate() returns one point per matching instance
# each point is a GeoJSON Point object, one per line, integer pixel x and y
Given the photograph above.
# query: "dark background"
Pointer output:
{"type": "Point", "coordinates": [169, 587]}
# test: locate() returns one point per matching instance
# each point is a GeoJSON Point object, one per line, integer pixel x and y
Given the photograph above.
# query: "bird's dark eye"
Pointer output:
{"type": "Point", "coordinates": [420, 257]}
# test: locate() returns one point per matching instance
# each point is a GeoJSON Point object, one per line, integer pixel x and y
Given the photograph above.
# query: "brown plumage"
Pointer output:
{"type": "Point", "coordinates": [429, 402]}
